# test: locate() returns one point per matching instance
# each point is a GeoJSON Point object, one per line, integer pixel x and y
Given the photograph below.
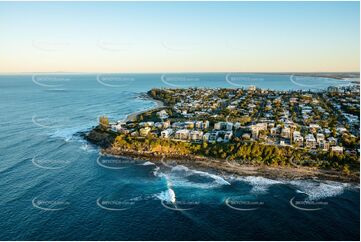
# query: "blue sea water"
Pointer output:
{"type": "Point", "coordinates": [56, 186]}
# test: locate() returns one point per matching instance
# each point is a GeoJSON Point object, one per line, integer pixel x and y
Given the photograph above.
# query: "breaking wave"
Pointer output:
{"type": "Point", "coordinates": [88, 148]}
{"type": "Point", "coordinates": [314, 190]}
{"type": "Point", "coordinates": [167, 195]}
{"type": "Point", "coordinates": [260, 185]}
{"type": "Point", "coordinates": [181, 176]}
{"type": "Point", "coordinates": [67, 134]}
{"type": "Point", "coordinates": [189, 172]}
{"type": "Point", "coordinates": [156, 172]}
{"type": "Point", "coordinates": [319, 190]}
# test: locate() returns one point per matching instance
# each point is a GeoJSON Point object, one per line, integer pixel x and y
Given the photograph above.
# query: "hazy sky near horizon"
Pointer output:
{"type": "Point", "coordinates": [179, 36]}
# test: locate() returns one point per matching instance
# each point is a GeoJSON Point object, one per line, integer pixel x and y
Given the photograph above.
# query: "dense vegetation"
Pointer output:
{"type": "Point", "coordinates": [242, 152]}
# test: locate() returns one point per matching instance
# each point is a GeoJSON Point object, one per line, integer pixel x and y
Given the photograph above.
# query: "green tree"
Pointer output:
{"type": "Point", "coordinates": [104, 121]}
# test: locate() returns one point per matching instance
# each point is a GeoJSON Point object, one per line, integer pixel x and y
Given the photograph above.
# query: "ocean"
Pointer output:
{"type": "Point", "coordinates": [56, 186]}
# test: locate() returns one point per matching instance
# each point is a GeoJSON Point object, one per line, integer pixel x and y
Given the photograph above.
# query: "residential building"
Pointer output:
{"type": "Point", "coordinates": [196, 135]}
{"type": "Point", "coordinates": [162, 114]}
{"type": "Point", "coordinates": [166, 133]}
{"type": "Point", "coordinates": [182, 134]}
{"type": "Point", "coordinates": [324, 145]}
{"type": "Point", "coordinates": [273, 131]}
{"type": "Point", "coordinates": [223, 126]}
{"type": "Point", "coordinates": [320, 138]}
{"type": "Point", "coordinates": [228, 136]}
{"type": "Point", "coordinates": [310, 141]}
{"type": "Point", "coordinates": [332, 141]}
{"type": "Point", "coordinates": [252, 88]}
{"type": "Point", "coordinates": [286, 133]}
{"type": "Point", "coordinates": [337, 149]}
{"type": "Point", "coordinates": [297, 138]}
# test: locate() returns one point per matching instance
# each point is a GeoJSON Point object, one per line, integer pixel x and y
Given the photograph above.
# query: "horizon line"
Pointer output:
{"type": "Point", "coordinates": [188, 72]}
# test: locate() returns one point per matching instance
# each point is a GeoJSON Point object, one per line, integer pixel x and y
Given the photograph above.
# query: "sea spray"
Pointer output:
{"type": "Point", "coordinates": [169, 194]}
{"type": "Point", "coordinates": [260, 185]}
{"type": "Point", "coordinates": [148, 163]}
{"type": "Point", "coordinates": [319, 190]}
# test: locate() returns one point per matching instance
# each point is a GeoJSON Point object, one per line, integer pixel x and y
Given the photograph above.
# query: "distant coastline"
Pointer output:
{"type": "Point", "coordinates": [335, 75]}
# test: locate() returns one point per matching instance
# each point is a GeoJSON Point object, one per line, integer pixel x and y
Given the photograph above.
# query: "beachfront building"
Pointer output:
{"type": "Point", "coordinates": [158, 125]}
{"type": "Point", "coordinates": [310, 141]}
{"type": "Point", "coordinates": [212, 137]}
{"type": "Point", "coordinates": [189, 125]}
{"type": "Point", "coordinates": [256, 128]}
{"type": "Point", "coordinates": [297, 138]}
{"type": "Point", "coordinates": [182, 134]}
{"type": "Point", "coordinates": [274, 131]}
{"type": "Point", "coordinates": [199, 124]}
{"type": "Point", "coordinates": [206, 137]}
{"type": "Point", "coordinates": [166, 124]}
{"type": "Point", "coordinates": [118, 126]}
{"type": "Point", "coordinates": [162, 114]}
{"type": "Point", "coordinates": [146, 124]}
{"type": "Point", "coordinates": [337, 149]}
{"type": "Point", "coordinates": [223, 126]}
{"type": "Point", "coordinates": [332, 89]}
{"type": "Point", "coordinates": [252, 88]}
{"type": "Point", "coordinates": [228, 136]}
{"type": "Point", "coordinates": [196, 135]}
{"type": "Point", "coordinates": [166, 133]}
{"type": "Point", "coordinates": [206, 124]}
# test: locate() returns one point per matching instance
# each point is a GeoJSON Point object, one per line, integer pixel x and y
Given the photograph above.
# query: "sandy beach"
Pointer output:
{"type": "Point", "coordinates": [132, 116]}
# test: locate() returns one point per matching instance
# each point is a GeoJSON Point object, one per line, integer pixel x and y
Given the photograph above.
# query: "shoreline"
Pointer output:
{"type": "Point", "coordinates": [132, 116]}
{"type": "Point", "coordinates": [231, 168]}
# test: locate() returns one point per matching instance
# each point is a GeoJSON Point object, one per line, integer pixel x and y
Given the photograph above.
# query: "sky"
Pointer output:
{"type": "Point", "coordinates": [134, 37]}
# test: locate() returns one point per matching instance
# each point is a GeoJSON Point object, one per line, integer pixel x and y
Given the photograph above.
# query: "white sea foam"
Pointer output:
{"type": "Point", "coordinates": [260, 185]}
{"type": "Point", "coordinates": [179, 175]}
{"type": "Point", "coordinates": [318, 190]}
{"type": "Point", "coordinates": [315, 190]}
{"type": "Point", "coordinates": [67, 134]}
{"type": "Point", "coordinates": [167, 195]}
{"type": "Point", "coordinates": [137, 199]}
{"type": "Point", "coordinates": [156, 172]}
{"type": "Point", "coordinates": [148, 163]}
{"type": "Point", "coordinates": [88, 148]}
